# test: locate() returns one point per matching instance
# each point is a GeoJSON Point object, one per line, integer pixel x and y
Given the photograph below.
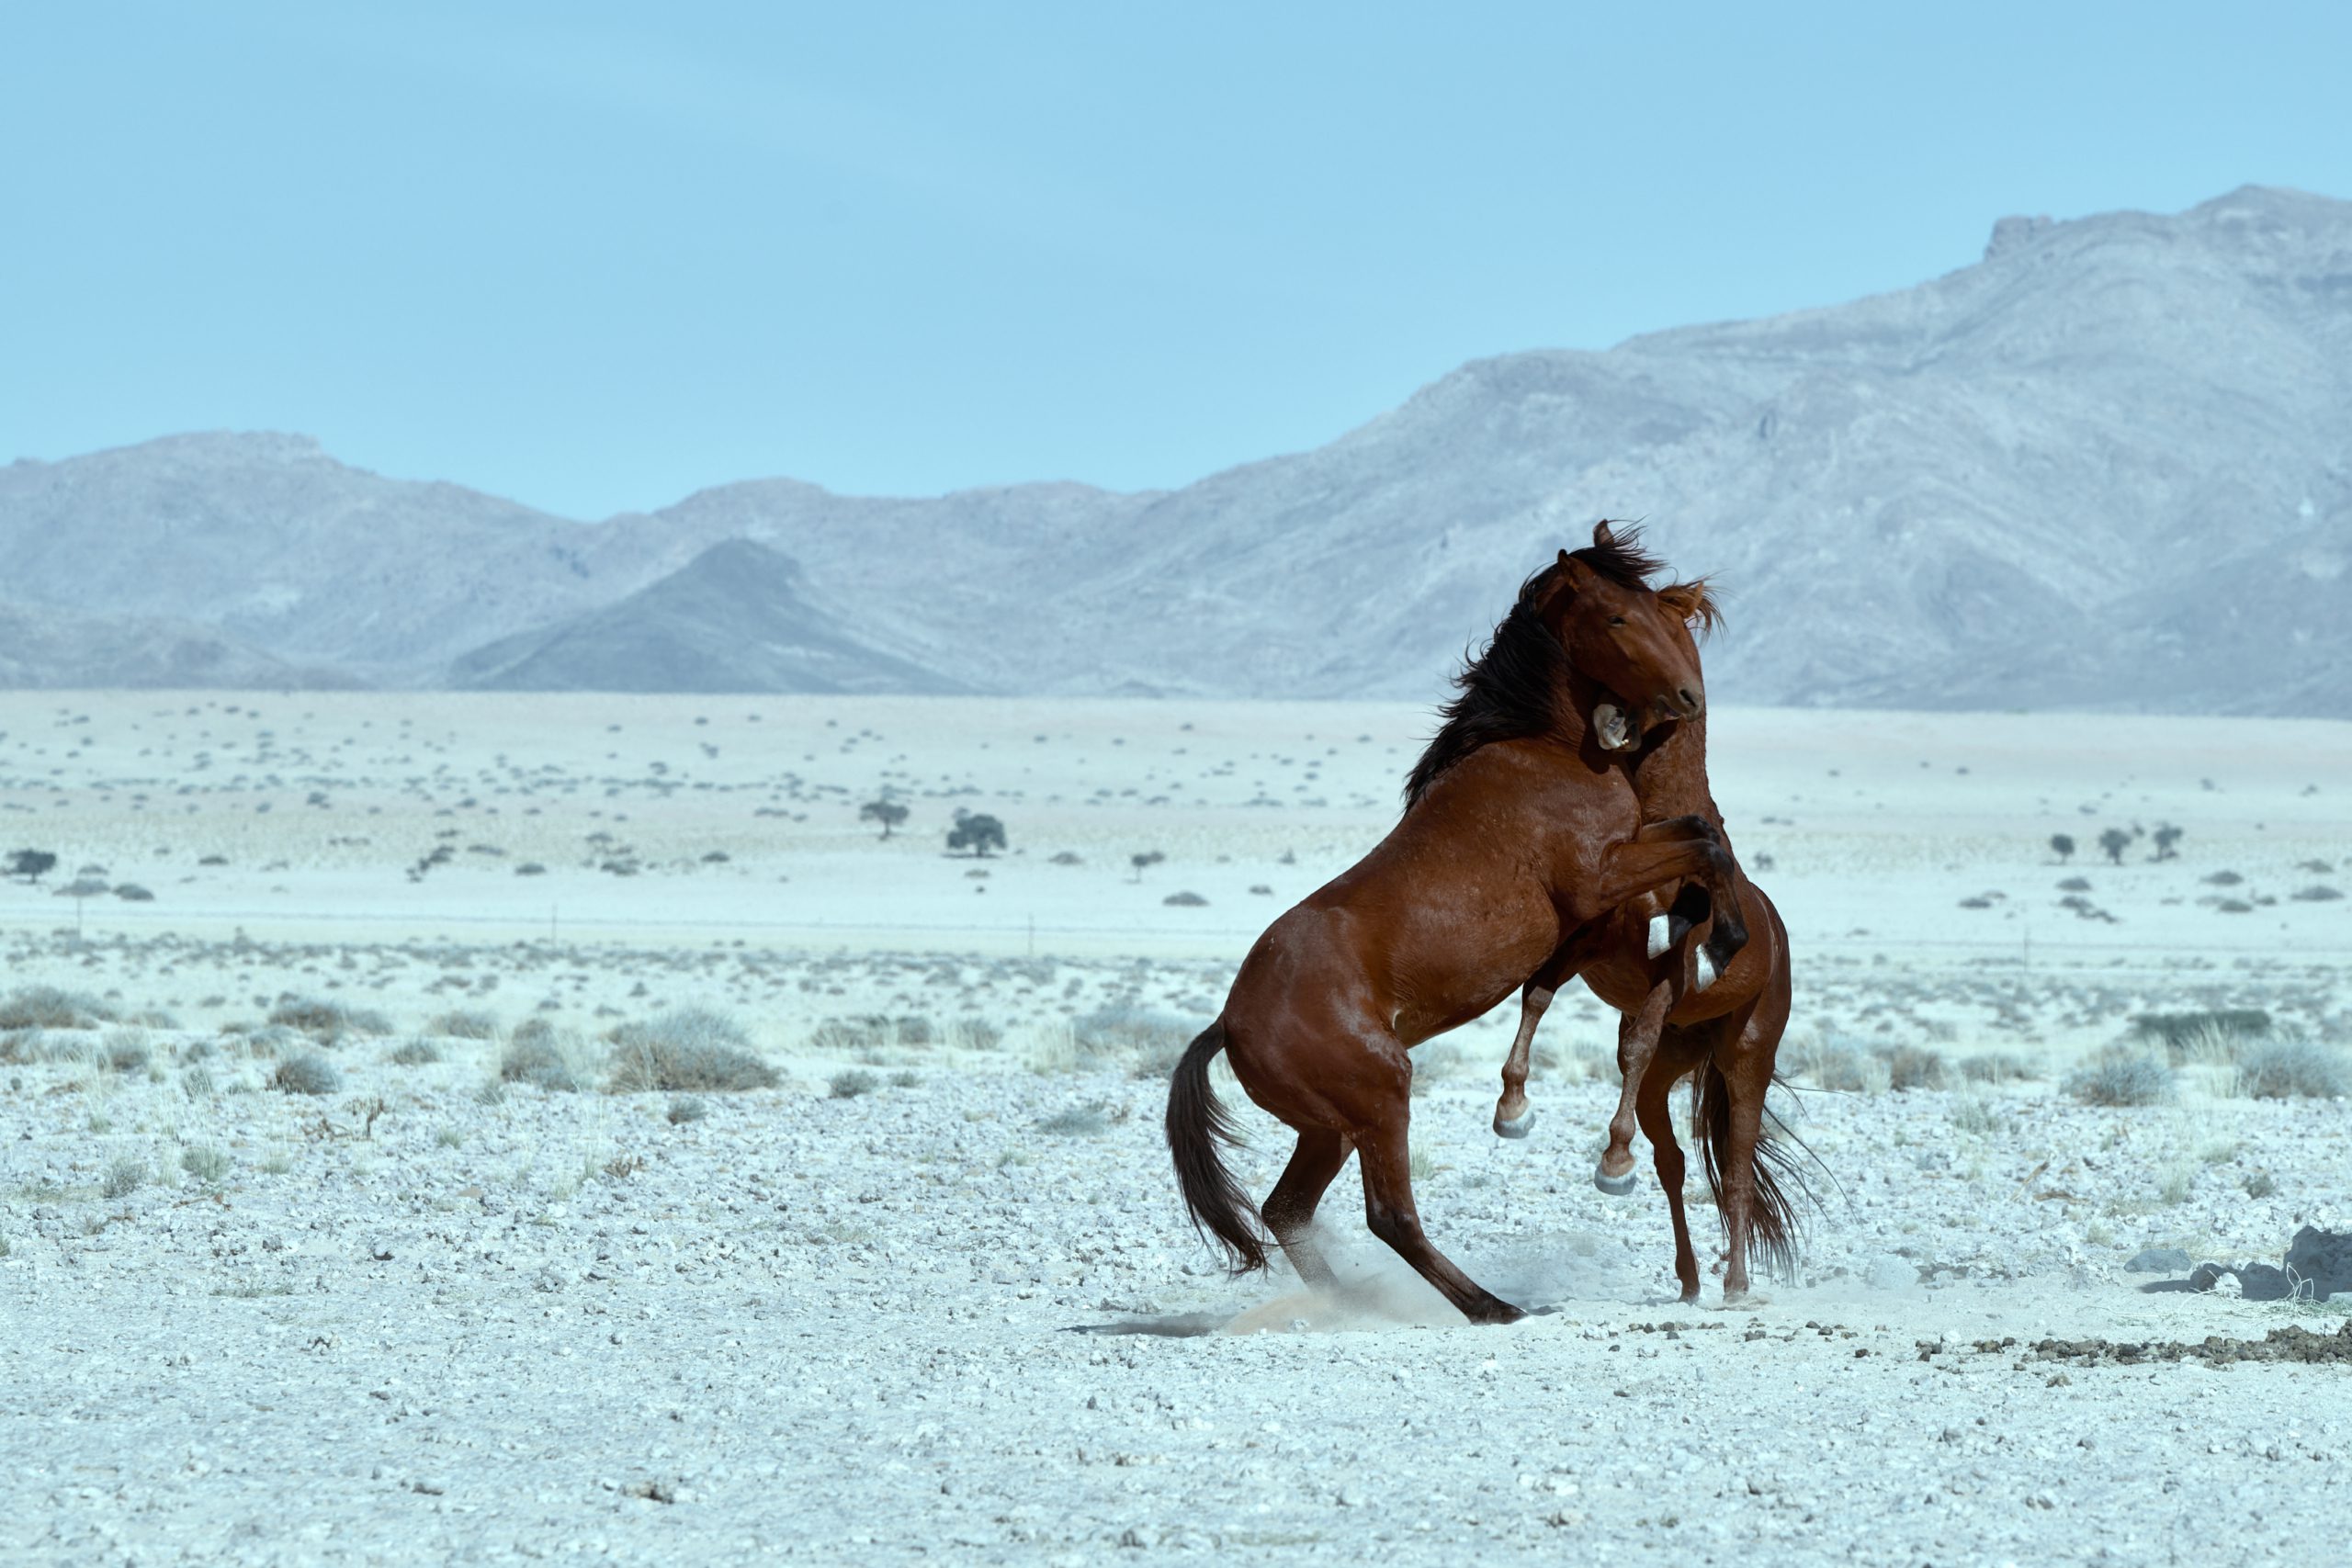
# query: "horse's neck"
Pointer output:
{"type": "Point", "coordinates": [1671, 776]}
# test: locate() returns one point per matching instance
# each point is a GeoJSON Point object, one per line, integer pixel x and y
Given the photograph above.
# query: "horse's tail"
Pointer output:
{"type": "Point", "coordinates": [1221, 1212]}
{"type": "Point", "coordinates": [1772, 1218]}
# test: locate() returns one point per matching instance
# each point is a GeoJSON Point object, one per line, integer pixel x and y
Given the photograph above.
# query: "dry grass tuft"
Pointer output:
{"type": "Point", "coordinates": [305, 1072]}
{"type": "Point", "coordinates": [687, 1049]}
{"type": "Point", "coordinates": [47, 1006]}
{"type": "Point", "coordinates": [327, 1021]}
{"type": "Point", "coordinates": [2119, 1076]}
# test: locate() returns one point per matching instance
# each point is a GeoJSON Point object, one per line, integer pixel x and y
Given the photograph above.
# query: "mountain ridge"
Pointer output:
{"type": "Point", "coordinates": [2022, 483]}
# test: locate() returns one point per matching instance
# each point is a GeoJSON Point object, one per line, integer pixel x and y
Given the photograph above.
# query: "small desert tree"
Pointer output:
{"type": "Point", "coordinates": [2115, 841]}
{"type": "Point", "coordinates": [31, 865]}
{"type": "Point", "coordinates": [1146, 859]}
{"type": "Point", "coordinates": [2063, 846]}
{"type": "Point", "coordinates": [80, 888]}
{"type": "Point", "coordinates": [975, 831]}
{"type": "Point", "coordinates": [889, 813]}
{"type": "Point", "coordinates": [2165, 837]}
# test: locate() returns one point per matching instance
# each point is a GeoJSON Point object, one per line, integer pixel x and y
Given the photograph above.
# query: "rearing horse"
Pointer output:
{"type": "Point", "coordinates": [1518, 829]}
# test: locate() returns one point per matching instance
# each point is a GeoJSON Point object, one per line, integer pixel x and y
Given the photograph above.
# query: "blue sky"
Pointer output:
{"type": "Point", "coordinates": [595, 257]}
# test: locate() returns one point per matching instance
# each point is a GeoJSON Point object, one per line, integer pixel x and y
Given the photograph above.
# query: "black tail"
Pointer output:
{"type": "Point", "coordinates": [1221, 1212]}
{"type": "Point", "coordinates": [1772, 1218]}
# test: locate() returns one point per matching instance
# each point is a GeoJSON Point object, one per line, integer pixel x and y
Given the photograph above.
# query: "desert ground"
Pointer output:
{"type": "Point", "coordinates": [498, 1127]}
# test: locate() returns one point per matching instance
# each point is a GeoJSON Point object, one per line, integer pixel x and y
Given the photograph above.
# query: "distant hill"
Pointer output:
{"type": "Point", "coordinates": [2109, 465]}
{"type": "Point", "coordinates": [44, 648]}
{"type": "Point", "coordinates": [732, 620]}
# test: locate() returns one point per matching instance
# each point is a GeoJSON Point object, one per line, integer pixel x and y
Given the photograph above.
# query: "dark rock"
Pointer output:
{"type": "Point", "coordinates": [2323, 1259]}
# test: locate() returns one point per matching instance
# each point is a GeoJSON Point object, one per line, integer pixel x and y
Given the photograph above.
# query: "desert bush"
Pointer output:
{"type": "Point", "coordinates": [1833, 1064]}
{"type": "Point", "coordinates": [207, 1164]}
{"type": "Point", "coordinates": [850, 1084]}
{"type": "Point", "coordinates": [305, 1072]}
{"type": "Point", "coordinates": [686, 1049]}
{"type": "Point", "coordinates": [974, 1034]}
{"type": "Point", "coordinates": [913, 1030]}
{"type": "Point", "coordinates": [1996, 1066]}
{"type": "Point", "coordinates": [540, 1060]}
{"type": "Point", "coordinates": [1147, 1042]}
{"type": "Point", "coordinates": [1975, 1115]}
{"type": "Point", "coordinates": [47, 1006]}
{"type": "Point", "coordinates": [126, 1051]}
{"type": "Point", "coordinates": [1185, 901]}
{"type": "Point", "coordinates": [1077, 1122]}
{"type": "Point", "coordinates": [327, 1021]}
{"type": "Point", "coordinates": [2120, 1077]}
{"type": "Point", "coordinates": [905, 1079]}
{"type": "Point", "coordinates": [2283, 1067]}
{"type": "Point", "coordinates": [417, 1054]}
{"type": "Point", "coordinates": [849, 1036]}
{"type": "Point", "coordinates": [2317, 893]}
{"type": "Point", "coordinates": [685, 1108]}
{"type": "Point", "coordinates": [124, 1177]}
{"type": "Point", "coordinates": [463, 1025]}
{"type": "Point", "coordinates": [2260, 1185]}
{"type": "Point", "coordinates": [1913, 1066]}
{"type": "Point", "coordinates": [2174, 1031]}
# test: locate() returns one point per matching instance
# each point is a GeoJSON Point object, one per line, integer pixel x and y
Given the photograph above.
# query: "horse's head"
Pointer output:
{"type": "Point", "coordinates": [1625, 635]}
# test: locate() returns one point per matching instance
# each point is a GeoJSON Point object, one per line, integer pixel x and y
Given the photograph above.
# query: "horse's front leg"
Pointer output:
{"type": "Point", "coordinates": [1636, 1044]}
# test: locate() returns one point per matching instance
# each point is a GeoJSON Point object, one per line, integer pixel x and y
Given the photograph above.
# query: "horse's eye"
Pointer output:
{"type": "Point", "coordinates": [1616, 620]}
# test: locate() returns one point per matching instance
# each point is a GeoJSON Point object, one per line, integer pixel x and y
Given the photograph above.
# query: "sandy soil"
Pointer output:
{"type": "Point", "coordinates": [961, 1314]}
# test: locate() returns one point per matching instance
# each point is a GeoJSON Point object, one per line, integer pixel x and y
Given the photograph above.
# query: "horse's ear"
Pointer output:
{"type": "Point", "coordinates": [1691, 603]}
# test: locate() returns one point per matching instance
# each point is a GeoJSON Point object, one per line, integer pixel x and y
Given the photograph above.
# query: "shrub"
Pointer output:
{"type": "Point", "coordinates": [539, 1060]}
{"type": "Point", "coordinates": [46, 1006]}
{"type": "Point", "coordinates": [417, 1054]}
{"type": "Point", "coordinates": [686, 1049]}
{"type": "Point", "coordinates": [850, 1084]}
{"type": "Point", "coordinates": [1996, 1066]}
{"type": "Point", "coordinates": [974, 1034]}
{"type": "Point", "coordinates": [1077, 1122]}
{"type": "Point", "coordinates": [124, 1177]}
{"type": "Point", "coordinates": [1185, 900]}
{"type": "Point", "coordinates": [463, 1025]}
{"type": "Point", "coordinates": [2283, 1068]}
{"type": "Point", "coordinates": [1836, 1065]}
{"type": "Point", "coordinates": [2317, 893]}
{"type": "Point", "coordinates": [1148, 1042]}
{"type": "Point", "coordinates": [307, 1073]}
{"type": "Point", "coordinates": [207, 1165]}
{"type": "Point", "coordinates": [1977, 1115]}
{"type": "Point", "coordinates": [2120, 1077]}
{"type": "Point", "coordinates": [130, 892]}
{"type": "Point", "coordinates": [975, 831]}
{"type": "Point", "coordinates": [126, 1052]}
{"type": "Point", "coordinates": [2174, 1031]}
{"type": "Point", "coordinates": [1913, 1066]}
{"type": "Point", "coordinates": [327, 1021]}
{"type": "Point", "coordinates": [687, 1108]}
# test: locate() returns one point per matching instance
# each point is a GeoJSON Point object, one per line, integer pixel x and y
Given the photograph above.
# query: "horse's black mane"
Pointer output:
{"type": "Point", "coordinates": [1508, 693]}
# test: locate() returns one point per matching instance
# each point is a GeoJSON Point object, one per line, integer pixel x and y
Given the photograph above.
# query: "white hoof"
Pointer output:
{"type": "Point", "coordinates": [1519, 1127]}
{"type": "Point", "coordinates": [1702, 971]}
{"type": "Point", "coordinates": [1615, 1185]}
{"type": "Point", "coordinates": [1661, 936]}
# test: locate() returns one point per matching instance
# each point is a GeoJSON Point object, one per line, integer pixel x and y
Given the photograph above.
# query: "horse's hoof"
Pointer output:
{"type": "Point", "coordinates": [1498, 1311]}
{"type": "Point", "coordinates": [1517, 1126]}
{"type": "Point", "coordinates": [1702, 970]}
{"type": "Point", "coordinates": [1615, 1185]}
{"type": "Point", "coordinates": [1659, 939]}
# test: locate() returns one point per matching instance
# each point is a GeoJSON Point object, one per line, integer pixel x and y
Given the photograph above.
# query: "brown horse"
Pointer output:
{"type": "Point", "coordinates": [1518, 829]}
{"type": "Point", "coordinates": [1679, 1017]}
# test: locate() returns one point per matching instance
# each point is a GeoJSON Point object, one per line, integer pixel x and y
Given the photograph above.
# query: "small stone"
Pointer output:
{"type": "Point", "coordinates": [1890, 1272]}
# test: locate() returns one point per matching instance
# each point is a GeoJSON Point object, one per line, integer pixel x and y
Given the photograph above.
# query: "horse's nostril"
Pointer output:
{"type": "Point", "coordinates": [1694, 702]}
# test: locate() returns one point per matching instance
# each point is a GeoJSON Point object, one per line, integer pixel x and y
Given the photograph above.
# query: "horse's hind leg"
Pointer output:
{"type": "Point", "coordinates": [1388, 1209]}
{"type": "Point", "coordinates": [1657, 1124]}
{"type": "Point", "coordinates": [1289, 1209]}
{"type": "Point", "coordinates": [1636, 1045]}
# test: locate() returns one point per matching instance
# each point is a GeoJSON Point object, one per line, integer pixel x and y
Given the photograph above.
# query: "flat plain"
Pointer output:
{"type": "Point", "coordinates": [929, 1293]}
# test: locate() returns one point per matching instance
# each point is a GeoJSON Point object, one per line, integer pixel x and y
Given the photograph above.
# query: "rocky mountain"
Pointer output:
{"type": "Point", "coordinates": [43, 649]}
{"type": "Point", "coordinates": [730, 620]}
{"type": "Point", "coordinates": [2108, 465]}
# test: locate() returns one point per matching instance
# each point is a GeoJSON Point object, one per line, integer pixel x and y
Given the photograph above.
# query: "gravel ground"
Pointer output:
{"type": "Point", "coordinates": [847, 1329]}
